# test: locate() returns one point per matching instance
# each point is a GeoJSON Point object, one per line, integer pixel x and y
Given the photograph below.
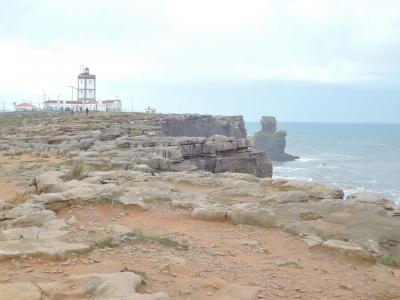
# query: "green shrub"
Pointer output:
{"type": "Point", "coordinates": [389, 260]}
{"type": "Point", "coordinates": [108, 242]}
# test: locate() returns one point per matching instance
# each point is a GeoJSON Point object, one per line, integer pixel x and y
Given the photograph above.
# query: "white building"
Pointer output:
{"type": "Point", "coordinates": [151, 110]}
{"type": "Point", "coordinates": [78, 105]}
{"type": "Point", "coordinates": [86, 97]}
{"type": "Point", "coordinates": [110, 105]}
{"type": "Point", "coordinates": [25, 106]}
{"type": "Point", "coordinates": [68, 105]}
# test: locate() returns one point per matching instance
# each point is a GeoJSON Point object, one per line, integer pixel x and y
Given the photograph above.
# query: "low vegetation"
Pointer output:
{"type": "Point", "coordinates": [159, 199]}
{"type": "Point", "coordinates": [108, 242]}
{"type": "Point", "coordinates": [22, 197]}
{"type": "Point", "coordinates": [138, 236]}
{"type": "Point", "coordinates": [77, 172]}
{"type": "Point", "coordinates": [389, 260]}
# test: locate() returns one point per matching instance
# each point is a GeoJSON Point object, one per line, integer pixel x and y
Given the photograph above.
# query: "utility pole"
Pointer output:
{"type": "Point", "coordinates": [72, 91]}
{"type": "Point", "coordinates": [132, 103]}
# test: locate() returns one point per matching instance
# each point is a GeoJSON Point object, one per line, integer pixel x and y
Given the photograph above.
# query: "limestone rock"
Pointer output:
{"type": "Point", "coordinates": [217, 214]}
{"type": "Point", "coordinates": [72, 221]}
{"type": "Point", "coordinates": [348, 249]}
{"type": "Point", "coordinates": [271, 141]}
{"type": "Point", "coordinates": [47, 248]}
{"type": "Point", "coordinates": [203, 126]}
{"type": "Point", "coordinates": [45, 182]}
{"type": "Point", "coordinates": [19, 291]}
{"type": "Point", "coordinates": [361, 199]}
{"type": "Point", "coordinates": [37, 218]}
{"type": "Point", "coordinates": [312, 240]}
{"type": "Point", "coordinates": [5, 206]}
{"type": "Point", "coordinates": [21, 210]}
{"type": "Point", "coordinates": [252, 214]}
{"type": "Point", "coordinates": [286, 197]}
{"type": "Point", "coordinates": [309, 216]}
{"type": "Point", "coordinates": [110, 286]}
{"type": "Point", "coordinates": [31, 233]}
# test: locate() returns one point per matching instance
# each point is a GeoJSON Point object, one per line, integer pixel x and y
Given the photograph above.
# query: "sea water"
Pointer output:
{"type": "Point", "coordinates": [355, 157]}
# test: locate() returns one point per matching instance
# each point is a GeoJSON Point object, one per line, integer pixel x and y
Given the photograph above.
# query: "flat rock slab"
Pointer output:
{"type": "Point", "coordinates": [19, 291]}
{"type": "Point", "coordinates": [112, 286]}
{"type": "Point", "coordinates": [347, 249]}
{"type": "Point", "coordinates": [49, 248]}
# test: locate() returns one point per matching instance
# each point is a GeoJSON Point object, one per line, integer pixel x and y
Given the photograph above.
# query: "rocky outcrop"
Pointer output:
{"type": "Point", "coordinates": [112, 286]}
{"type": "Point", "coordinates": [20, 291]}
{"type": "Point", "coordinates": [157, 143]}
{"type": "Point", "coordinates": [204, 126]}
{"type": "Point", "coordinates": [217, 154]}
{"type": "Point", "coordinates": [272, 141]}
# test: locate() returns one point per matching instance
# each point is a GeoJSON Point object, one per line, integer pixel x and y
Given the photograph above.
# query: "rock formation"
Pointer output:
{"type": "Point", "coordinates": [272, 141]}
{"type": "Point", "coordinates": [204, 126]}
{"type": "Point", "coordinates": [129, 222]}
{"type": "Point", "coordinates": [131, 141]}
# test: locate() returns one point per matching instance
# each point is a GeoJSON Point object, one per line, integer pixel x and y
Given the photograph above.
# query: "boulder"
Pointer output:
{"type": "Point", "coordinates": [214, 214]}
{"type": "Point", "coordinates": [46, 182]}
{"type": "Point", "coordinates": [249, 162]}
{"type": "Point", "coordinates": [252, 214]}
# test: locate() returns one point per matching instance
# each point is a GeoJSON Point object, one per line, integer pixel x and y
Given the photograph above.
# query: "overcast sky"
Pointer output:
{"type": "Point", "coordinates": [301, 60]}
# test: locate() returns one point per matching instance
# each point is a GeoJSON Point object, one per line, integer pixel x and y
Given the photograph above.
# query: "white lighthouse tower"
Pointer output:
{"type": "Point", "coordinates": [86, 86]}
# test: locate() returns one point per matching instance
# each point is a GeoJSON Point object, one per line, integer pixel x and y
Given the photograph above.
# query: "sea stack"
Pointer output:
{"type": "Point", "coordinates": [272, 141]}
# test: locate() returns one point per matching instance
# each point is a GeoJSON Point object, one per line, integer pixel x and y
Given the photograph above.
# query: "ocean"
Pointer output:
{"type": "Point", "coordinates": [355, 157]}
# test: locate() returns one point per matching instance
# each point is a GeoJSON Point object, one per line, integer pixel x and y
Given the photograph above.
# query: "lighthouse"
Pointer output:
{"type": "Point", "coordinates": [86, 86]}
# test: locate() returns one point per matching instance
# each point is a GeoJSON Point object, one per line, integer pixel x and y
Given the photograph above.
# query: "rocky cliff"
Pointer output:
{"type": "Point", "coordinates": [204, 125]}
{"type": "Point", "coordinates": [272, 141]}
{"type": "Point", "coordinates": [157, 143]}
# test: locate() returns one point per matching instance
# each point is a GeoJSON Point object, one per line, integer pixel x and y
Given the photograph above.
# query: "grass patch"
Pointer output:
{"type": "Point", "coordinates": [22, 197]}
{"type": "Point", "coordinates": [389, 260]}
{"type": "Point", "coordinates": [77, 172]}
{"type": "Point", "coordinates": [168, 242]}
{"type": "Point", "coordinates": [108, 242]}
{"type": "Point", "coordinates": [113, 196]}
{"type": "Point", "coordinates": [252, 179]}
{"type": "Point", "coordinates": [158, 199]}
{"type": "Point", "coordinates": [138, 236]}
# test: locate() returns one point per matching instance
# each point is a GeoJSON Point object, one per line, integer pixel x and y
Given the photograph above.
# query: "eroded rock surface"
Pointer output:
{"type": "Point", "coordinates": [139, 141]}
{"type": "Point", "coordinates": [126, 198]}
{"type": "Point", "coordinates": [272, 141]}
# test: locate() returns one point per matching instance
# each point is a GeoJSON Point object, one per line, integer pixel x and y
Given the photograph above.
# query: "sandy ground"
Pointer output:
{"type": "Point", "coordinates": [279, 264]}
